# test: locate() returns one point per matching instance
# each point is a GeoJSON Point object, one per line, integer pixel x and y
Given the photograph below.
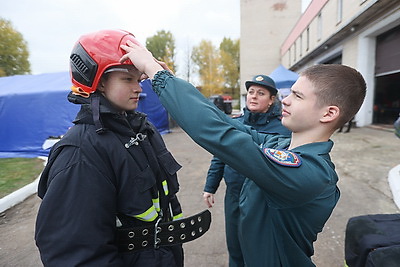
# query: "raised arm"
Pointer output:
{"type": "Point", "coordinates": [224, 137]}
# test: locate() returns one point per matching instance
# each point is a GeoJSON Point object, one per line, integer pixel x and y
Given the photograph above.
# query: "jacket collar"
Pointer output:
{"type": "Point", "coordinates": [126, 124]}
{"type": "Point", "coordinates": [262, 118]}
{"type": "Point", "coordinates": [319, 147]}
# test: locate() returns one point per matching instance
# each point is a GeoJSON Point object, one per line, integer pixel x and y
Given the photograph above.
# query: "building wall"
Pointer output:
{"type": "Point", "coordinates": [349, 52]}
{"type": "Point", "coordinates": [321, 21]}
{"type": "Point", "coordinates": [264, 26]}
{"type": "Point", "coordinates": [325, 32]}
{"type": "Point", "coordinates": [366, 58]}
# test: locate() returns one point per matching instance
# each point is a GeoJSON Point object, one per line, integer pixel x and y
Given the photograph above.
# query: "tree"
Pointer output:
{"type": "Point", "coordinates": [13, 51]}
{"type": "Point", "coordinates": [230, 61]}
{"type": "Point", "coordinates": [207, 60]}
{"type": "Point", "coordinates": [188, 63]}
{"type": "Point", "coordinates": [162, 46]}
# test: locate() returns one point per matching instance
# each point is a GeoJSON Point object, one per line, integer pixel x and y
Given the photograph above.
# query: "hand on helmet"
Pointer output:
{"type": "Point", "coordinates": [142, 59]}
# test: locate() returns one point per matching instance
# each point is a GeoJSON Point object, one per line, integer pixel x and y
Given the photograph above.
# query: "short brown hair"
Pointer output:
{"type": "Point", "coordinates": [338, 85]}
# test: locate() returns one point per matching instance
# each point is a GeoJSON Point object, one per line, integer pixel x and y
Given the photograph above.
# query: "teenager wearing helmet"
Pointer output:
{"type": "Point", "coordinates": [263, 113]}
{"type": "Point", "coordinates": [109, 188]}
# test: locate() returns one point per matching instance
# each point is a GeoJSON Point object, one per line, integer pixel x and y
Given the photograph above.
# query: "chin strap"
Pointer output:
{"type": "Point", "coordinates": [95, 105]}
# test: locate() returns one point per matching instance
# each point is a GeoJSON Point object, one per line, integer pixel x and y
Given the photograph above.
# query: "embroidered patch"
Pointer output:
{"type": "Point", "coordinates": [283, 157]}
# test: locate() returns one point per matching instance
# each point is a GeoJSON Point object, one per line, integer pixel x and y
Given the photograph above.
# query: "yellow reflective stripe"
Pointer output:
{"type": "Point", "coordinates": [156, 203]}
{"type": "Point", "coordinates": [147, 216]}
{"type": "Point", "coordinates": [177, 217]}
{"type": "Point", "coordinates": [165, 187]}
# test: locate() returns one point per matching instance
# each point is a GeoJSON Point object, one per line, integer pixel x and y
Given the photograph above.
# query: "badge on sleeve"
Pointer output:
{"type": "Point", "coordinates": [283, 157]}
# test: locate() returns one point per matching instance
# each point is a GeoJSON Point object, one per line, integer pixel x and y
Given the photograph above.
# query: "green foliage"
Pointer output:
{"type": "Point", "coordinates": [18, 172]}
{"type": "Point", "coordinates": [219, 69]}
{"type": "Point", "coordinates": [207, 59]}
{"type": "Point", "coordinates": [162, 46]}
{"type": "Point", "coordinates": [13, 51]}
{"type": "Point", "coordinates": [230, 61]}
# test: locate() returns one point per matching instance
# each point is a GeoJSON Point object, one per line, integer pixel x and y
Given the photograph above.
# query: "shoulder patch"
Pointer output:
{"type": "Point", "coordinates": [283, 157]}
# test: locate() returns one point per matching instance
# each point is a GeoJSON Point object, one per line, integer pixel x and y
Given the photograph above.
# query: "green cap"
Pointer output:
{"type": "Point", "coordinates": [264, 81]}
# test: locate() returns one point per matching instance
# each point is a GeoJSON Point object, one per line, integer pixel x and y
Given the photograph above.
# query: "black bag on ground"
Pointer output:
{"type": "Point", "coordinates": [385, 257]}
{"type": "Point", "coordinates": [373, 240]}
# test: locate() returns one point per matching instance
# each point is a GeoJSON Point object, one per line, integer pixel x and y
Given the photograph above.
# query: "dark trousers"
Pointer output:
{"type": "Point", "coordinates": [349, 124]}
{"type": "Point", "coordinates": [231, 228]}
{"type": "Point", "coordinates": [162, 257]}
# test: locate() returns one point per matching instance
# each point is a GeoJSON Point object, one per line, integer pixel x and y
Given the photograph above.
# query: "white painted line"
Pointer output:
{"type": "Point", "coordinates": [394, 183]}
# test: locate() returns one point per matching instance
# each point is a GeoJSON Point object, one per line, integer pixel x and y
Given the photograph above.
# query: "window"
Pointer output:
{"type": "Point", "coordinates": [301, 45]}
{"type": "Point", "coordinates": [308, 39]}
{"type": "Point", "coordinates": [339, 10]}
{"type": "Point", "coordinates": [319, 25]}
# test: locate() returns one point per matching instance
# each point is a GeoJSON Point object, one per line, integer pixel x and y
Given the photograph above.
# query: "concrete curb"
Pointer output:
{"type": "Point", "coordinates": [21, 194]}
{"type": "Point", "coordinates": [18, 196]}
{"type": "Point", "coordinates": [394, 183]}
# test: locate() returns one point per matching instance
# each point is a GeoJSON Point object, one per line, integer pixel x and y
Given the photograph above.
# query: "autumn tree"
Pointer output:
{"type": "Point", "coordinates": [13, 51]}
{"type": "Point", "coordinates": [207, 60]}
{"type": "Point", "coordinates": [162, 46]}
{"type": "Point", "coordinates": [230, 62]}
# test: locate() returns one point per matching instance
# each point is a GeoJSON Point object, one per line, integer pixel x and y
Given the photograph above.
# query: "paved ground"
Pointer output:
{"type": "Point", "coordinates": [363, 159]}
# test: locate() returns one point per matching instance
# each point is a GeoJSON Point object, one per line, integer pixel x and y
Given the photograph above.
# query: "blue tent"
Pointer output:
{"type": "Point", "coordinates": [283, 77]}
{"type": "Point", "coordinates": [151, 105]}
{"type": "Point", "coordinates": [35, 107]}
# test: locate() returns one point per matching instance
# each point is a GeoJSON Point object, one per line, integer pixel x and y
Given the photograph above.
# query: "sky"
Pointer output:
{"type": "Point", "coordinates": [51, 27]}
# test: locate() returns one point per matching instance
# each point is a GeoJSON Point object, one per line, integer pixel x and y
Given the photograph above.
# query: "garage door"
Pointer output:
{"type": "Point", "coordinates": [388, 52]}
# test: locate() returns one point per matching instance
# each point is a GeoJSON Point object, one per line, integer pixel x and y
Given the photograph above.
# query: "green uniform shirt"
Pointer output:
{"type": "Point", "coordinates": [283, 204]}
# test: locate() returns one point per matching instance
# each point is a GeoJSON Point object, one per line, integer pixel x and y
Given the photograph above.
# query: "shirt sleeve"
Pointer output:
{"type": "Point", "coordinates": [214, 175]}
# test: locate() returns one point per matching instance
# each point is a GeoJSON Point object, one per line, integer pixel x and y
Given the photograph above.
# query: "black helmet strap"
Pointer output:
{"type": "Point", "coordinates": [95, 105]}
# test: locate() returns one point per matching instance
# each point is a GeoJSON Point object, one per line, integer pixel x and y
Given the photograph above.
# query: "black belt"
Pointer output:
{"type": "Point", "coordinates": [163, 233]}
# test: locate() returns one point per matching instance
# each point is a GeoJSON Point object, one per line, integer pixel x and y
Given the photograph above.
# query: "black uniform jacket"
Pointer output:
{"type": "Point", "coordinates": [91, 178]}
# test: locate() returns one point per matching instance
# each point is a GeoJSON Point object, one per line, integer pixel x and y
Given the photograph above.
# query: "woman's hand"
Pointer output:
{"type": "Point", "coordinates": [208, 199]}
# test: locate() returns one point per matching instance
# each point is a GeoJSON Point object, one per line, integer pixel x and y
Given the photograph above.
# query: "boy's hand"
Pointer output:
{"type": "Point", "coordinates": [141, 58]}
{"type": "Point", "coordinates": [164, 66]}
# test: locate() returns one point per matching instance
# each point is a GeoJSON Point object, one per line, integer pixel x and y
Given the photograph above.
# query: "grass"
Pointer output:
{"type": "Point", "coordinates": [18, 172]}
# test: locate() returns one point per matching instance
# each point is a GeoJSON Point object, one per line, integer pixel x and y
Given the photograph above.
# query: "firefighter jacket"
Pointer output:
{"type": "Point", "coordinates": [110, 170]}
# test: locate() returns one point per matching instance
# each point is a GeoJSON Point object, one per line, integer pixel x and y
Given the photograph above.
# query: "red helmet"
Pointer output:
{"type": "Point", "coordinates": [93, 54]}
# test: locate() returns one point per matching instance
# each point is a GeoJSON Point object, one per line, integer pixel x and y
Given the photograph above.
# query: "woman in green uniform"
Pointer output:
{"type": "Point", "coordinates": [263, 112]}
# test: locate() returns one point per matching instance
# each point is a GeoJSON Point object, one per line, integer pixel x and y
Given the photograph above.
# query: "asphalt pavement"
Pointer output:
{"type": "Point", "coordinates": [363, 159]}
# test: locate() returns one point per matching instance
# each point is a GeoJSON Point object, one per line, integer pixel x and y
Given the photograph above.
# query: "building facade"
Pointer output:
{"type": "Point", "coordinates": [364, 34]}
{"type": "Point", "coordinates": [264, 25]}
